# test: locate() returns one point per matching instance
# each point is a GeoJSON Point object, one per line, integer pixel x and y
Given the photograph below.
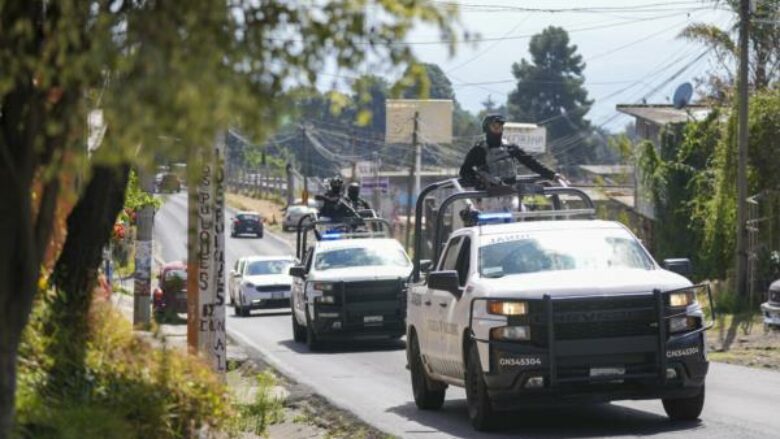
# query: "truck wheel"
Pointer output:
{"type": "Point", "coordinates": [299, 332]}
{"type": "Point", "coordinates": [481, 412]}
{"type": "Point", "coordinates": [311, 337]}
{"type": "Point", "coordinates": [428, 394]}
{"type": "Point", "coordinates": [684, 409]}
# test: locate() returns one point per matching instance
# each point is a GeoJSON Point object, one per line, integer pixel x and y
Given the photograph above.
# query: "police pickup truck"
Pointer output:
{"type": "Point", "coordinates": [557, 310]}
{"type": "Point", "coordinates": [351, 283]}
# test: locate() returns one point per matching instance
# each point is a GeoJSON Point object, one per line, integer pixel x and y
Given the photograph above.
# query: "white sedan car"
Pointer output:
{"type": "Point", "coordinates": [260, 282]}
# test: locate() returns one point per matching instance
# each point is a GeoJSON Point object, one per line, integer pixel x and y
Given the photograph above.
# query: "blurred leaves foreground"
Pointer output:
{"type": "Point", "coordinates": [164, 78]}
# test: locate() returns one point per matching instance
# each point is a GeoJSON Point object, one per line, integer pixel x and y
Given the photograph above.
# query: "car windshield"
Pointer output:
{"type": "Point", "coordinates": [259, 268]}
{"type": "Point", "coordinates": [561, 250]}
{"type": "Point", "coordinates": [175, 279]}
{"type": "Point", "coordinates": [361, 257]}
{"type": "Point", "coordinates": [248, 217]}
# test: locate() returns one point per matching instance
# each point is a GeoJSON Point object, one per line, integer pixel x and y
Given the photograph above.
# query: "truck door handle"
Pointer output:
{"type": "Point", "coordinates": [443, 304]}
{"type": "Point", "coordinates": [427, 303]}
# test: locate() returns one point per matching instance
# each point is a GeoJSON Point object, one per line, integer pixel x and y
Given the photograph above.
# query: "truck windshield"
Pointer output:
{"type": "Point", "coordinates": [561, 250]}
{"type": "Point", "coordinates": [361, 257]}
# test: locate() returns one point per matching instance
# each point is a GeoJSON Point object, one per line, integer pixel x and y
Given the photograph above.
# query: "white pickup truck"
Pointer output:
{"type": "Point", "coordinates": [544, 313]}
{"type": "Point", "coordinates": [348, 286]}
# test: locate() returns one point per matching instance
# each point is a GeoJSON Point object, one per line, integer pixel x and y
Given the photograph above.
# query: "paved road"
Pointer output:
{"type": "Point", "coordinates": [371, 380]}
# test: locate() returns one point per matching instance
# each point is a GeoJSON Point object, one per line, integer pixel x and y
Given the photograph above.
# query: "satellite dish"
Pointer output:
{"type": "Point", "coordinates": [683, 95]}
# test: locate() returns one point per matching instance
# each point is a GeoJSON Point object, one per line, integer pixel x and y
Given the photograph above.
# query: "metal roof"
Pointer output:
{"type": "Point", "coordinates": [665, 114]}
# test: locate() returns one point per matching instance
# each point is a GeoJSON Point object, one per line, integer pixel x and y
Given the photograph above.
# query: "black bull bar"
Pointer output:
{"type": "Point", "coordinates": [663, 313]}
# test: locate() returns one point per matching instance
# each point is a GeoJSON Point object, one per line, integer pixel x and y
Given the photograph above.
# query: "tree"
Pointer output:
{"type": "Point", "coordinates": [179, 70]}
{"type": "Point", "coordinates": [764, 48]}
{"type": "Point", "coordinates": [550, 92]}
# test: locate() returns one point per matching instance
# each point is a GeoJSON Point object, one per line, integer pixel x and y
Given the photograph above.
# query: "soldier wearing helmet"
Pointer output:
{"type": "Point", "coordinates": [333, 204]}
{"type": "Point", "coordinates": [498, 159]}
{"type": "Point", "coordinates": [353, 197]}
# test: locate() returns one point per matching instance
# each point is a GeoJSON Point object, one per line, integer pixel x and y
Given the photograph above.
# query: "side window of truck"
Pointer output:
{"type": "Point", "coordinates": [450, 254]}
{"type": "Point", "coordinates": [464, 261]}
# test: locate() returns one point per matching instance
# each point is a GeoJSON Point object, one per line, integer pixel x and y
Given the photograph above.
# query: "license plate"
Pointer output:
{"type": "Point", "coordinates": [277, 295]}
{"type": "Point", "coordinates": [607, 371]}
{"type": "Point", "coordinates": [372, 319]}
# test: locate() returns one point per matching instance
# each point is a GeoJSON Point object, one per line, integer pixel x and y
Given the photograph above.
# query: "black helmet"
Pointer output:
{"type": "Point", "coordinates": [490, 118]}
{"type": "Point", "coordinates": [336, 184]}
{"type": "Point", "coordinates": [353, 190]}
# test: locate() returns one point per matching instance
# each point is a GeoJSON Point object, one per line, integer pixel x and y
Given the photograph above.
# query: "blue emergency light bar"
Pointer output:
{"type": "Point", "coordinates": [332, 236]}
{"type": "Point", "coordinates": [494, 217]}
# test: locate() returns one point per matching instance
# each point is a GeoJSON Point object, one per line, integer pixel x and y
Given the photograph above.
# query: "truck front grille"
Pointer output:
{"type": "Point", "coordinates": [596, 317]}
{"type": "Point", "coordinates": [373, 291]}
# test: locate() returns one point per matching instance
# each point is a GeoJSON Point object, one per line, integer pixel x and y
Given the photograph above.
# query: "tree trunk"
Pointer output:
{"type": "Point", "coordinates": [89, 229]}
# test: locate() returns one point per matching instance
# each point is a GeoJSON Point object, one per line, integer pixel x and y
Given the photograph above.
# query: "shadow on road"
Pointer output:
{"type": "Point", "coordinates": [348, 346]}
{"type": "Point", "coordinates": [590, 421]}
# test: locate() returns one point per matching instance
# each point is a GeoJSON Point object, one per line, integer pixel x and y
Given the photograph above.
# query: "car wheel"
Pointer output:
{"type": "Point", "coordinates": [299, 332]}
{"type": "Point", "coordinates": [428, 394]}
{"type": "Point", "coordinates": [311, 338]}
{"type": "Point", "coordinates": [237, 311]}
{"type": "Point", "coordinates": [481, 412]}
{"type": "Point", "coordinates": [260, 235]}
{"type": "Point", "coordinates": [684, 409]}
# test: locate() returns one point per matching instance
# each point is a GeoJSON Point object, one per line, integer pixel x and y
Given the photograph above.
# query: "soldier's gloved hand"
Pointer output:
{"type": "Point", "coordinates": [561, 180]}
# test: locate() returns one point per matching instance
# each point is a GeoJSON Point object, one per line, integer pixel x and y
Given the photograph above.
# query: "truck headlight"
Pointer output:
{"type": "Point", "coordinates": [321, 287]}
{"type": "Point", "coordinates": [682, 299]}
{"type": "Point", "coordinates": [507, 308]}
{"type": "Point", "coordinates": [326, 300]}
{"type": "Point", "coordinates": [511, 333]}
{"type": "Point", "coordinates": [249, 285]}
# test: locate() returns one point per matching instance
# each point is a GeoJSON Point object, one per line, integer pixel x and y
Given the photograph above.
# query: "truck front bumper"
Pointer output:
{"type": "Point", "coordinates": [597, 370]}
{"type": "Point", "coordinates": [358, 321]}
{"type": "Point", "coordinates": [771, 313]}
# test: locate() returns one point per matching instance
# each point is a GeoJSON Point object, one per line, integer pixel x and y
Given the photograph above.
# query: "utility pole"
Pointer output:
{"type": "Point", "coordinates": [742, 145]}
{"type": "Point", "coordinates": [305, 192]}
{"type": "Point", "coordinates": [413, 178]}
{"type": "Point", "coordinates": [206, 258]}
{"type": "Point", "coordinates": [375, 203]}
{"type": "Point", "coordinates": [142, 278]}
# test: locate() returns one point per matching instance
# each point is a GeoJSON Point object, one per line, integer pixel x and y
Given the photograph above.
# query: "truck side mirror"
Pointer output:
{"type": "Point", "coordinates": [425, 265]}
{"type": "Point", "coordinates": [445, 280]}
{"type": "Point", "coordinates": [298, 271]}
{"type": "Point", "coordinates": [681, 266]}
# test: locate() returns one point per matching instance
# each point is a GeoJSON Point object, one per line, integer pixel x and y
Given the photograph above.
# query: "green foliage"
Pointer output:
{"type": "Point", "coordinates": [133, 391]}
{"type": "Point", "coordinates": [265, 410]}
{"type": "Point", "coordinates": [692, 181]}
{"type": "Point", "coordinates": [550, 90]}
{"type": "Point", "coordinates": [136, 199]}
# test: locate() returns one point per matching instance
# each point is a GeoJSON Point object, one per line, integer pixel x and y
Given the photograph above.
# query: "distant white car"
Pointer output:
{"type": "Point", "coordinates": [293, 215]}
{"type": "Point", "coordinates": [260, 282]}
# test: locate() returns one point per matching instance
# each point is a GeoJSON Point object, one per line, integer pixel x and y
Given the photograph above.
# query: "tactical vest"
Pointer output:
{"type": "Point", "coordinates": [499, 163]}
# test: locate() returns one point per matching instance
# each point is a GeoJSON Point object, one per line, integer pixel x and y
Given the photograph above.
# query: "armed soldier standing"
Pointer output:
{"type": "Point", "coordinates": [491, 157]}
{"type": "Point", "coordinates": [353, 197]}
{"type": "Point", "coordinates": [333, 204]}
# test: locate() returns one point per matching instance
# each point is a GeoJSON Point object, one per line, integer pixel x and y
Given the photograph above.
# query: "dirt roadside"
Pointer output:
{"type": "Point", "coordinates": [745, 341]}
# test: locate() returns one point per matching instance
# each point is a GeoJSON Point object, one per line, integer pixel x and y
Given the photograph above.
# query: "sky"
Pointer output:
{"type": "Point", "coordinates": [630, 48]}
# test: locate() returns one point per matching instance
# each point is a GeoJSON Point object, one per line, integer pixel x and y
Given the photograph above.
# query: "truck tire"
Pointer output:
{"type": "Point", "coordinates": [299, 332]}
{"type": "Point", "coordinates": [428, 394]}
{"type": "Point", "coordinates": [481, 413]}
{"type": "Point", "coordinates": [311, 338]}
{"type": "Point", "coordinates": [684, 409]}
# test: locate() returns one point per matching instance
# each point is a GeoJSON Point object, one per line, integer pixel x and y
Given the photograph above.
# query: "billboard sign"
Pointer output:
{"type": "Point", "coordinates": [530, 137]}
{"type": "Point", "coordinates": [434, 121]}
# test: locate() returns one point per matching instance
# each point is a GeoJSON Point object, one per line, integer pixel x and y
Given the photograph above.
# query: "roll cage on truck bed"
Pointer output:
{"type": "Point", "coordinates": [581, 348]}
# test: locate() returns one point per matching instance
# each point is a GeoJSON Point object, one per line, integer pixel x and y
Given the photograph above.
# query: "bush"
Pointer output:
{"type": "Point", "coordinates": [132, 391]}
